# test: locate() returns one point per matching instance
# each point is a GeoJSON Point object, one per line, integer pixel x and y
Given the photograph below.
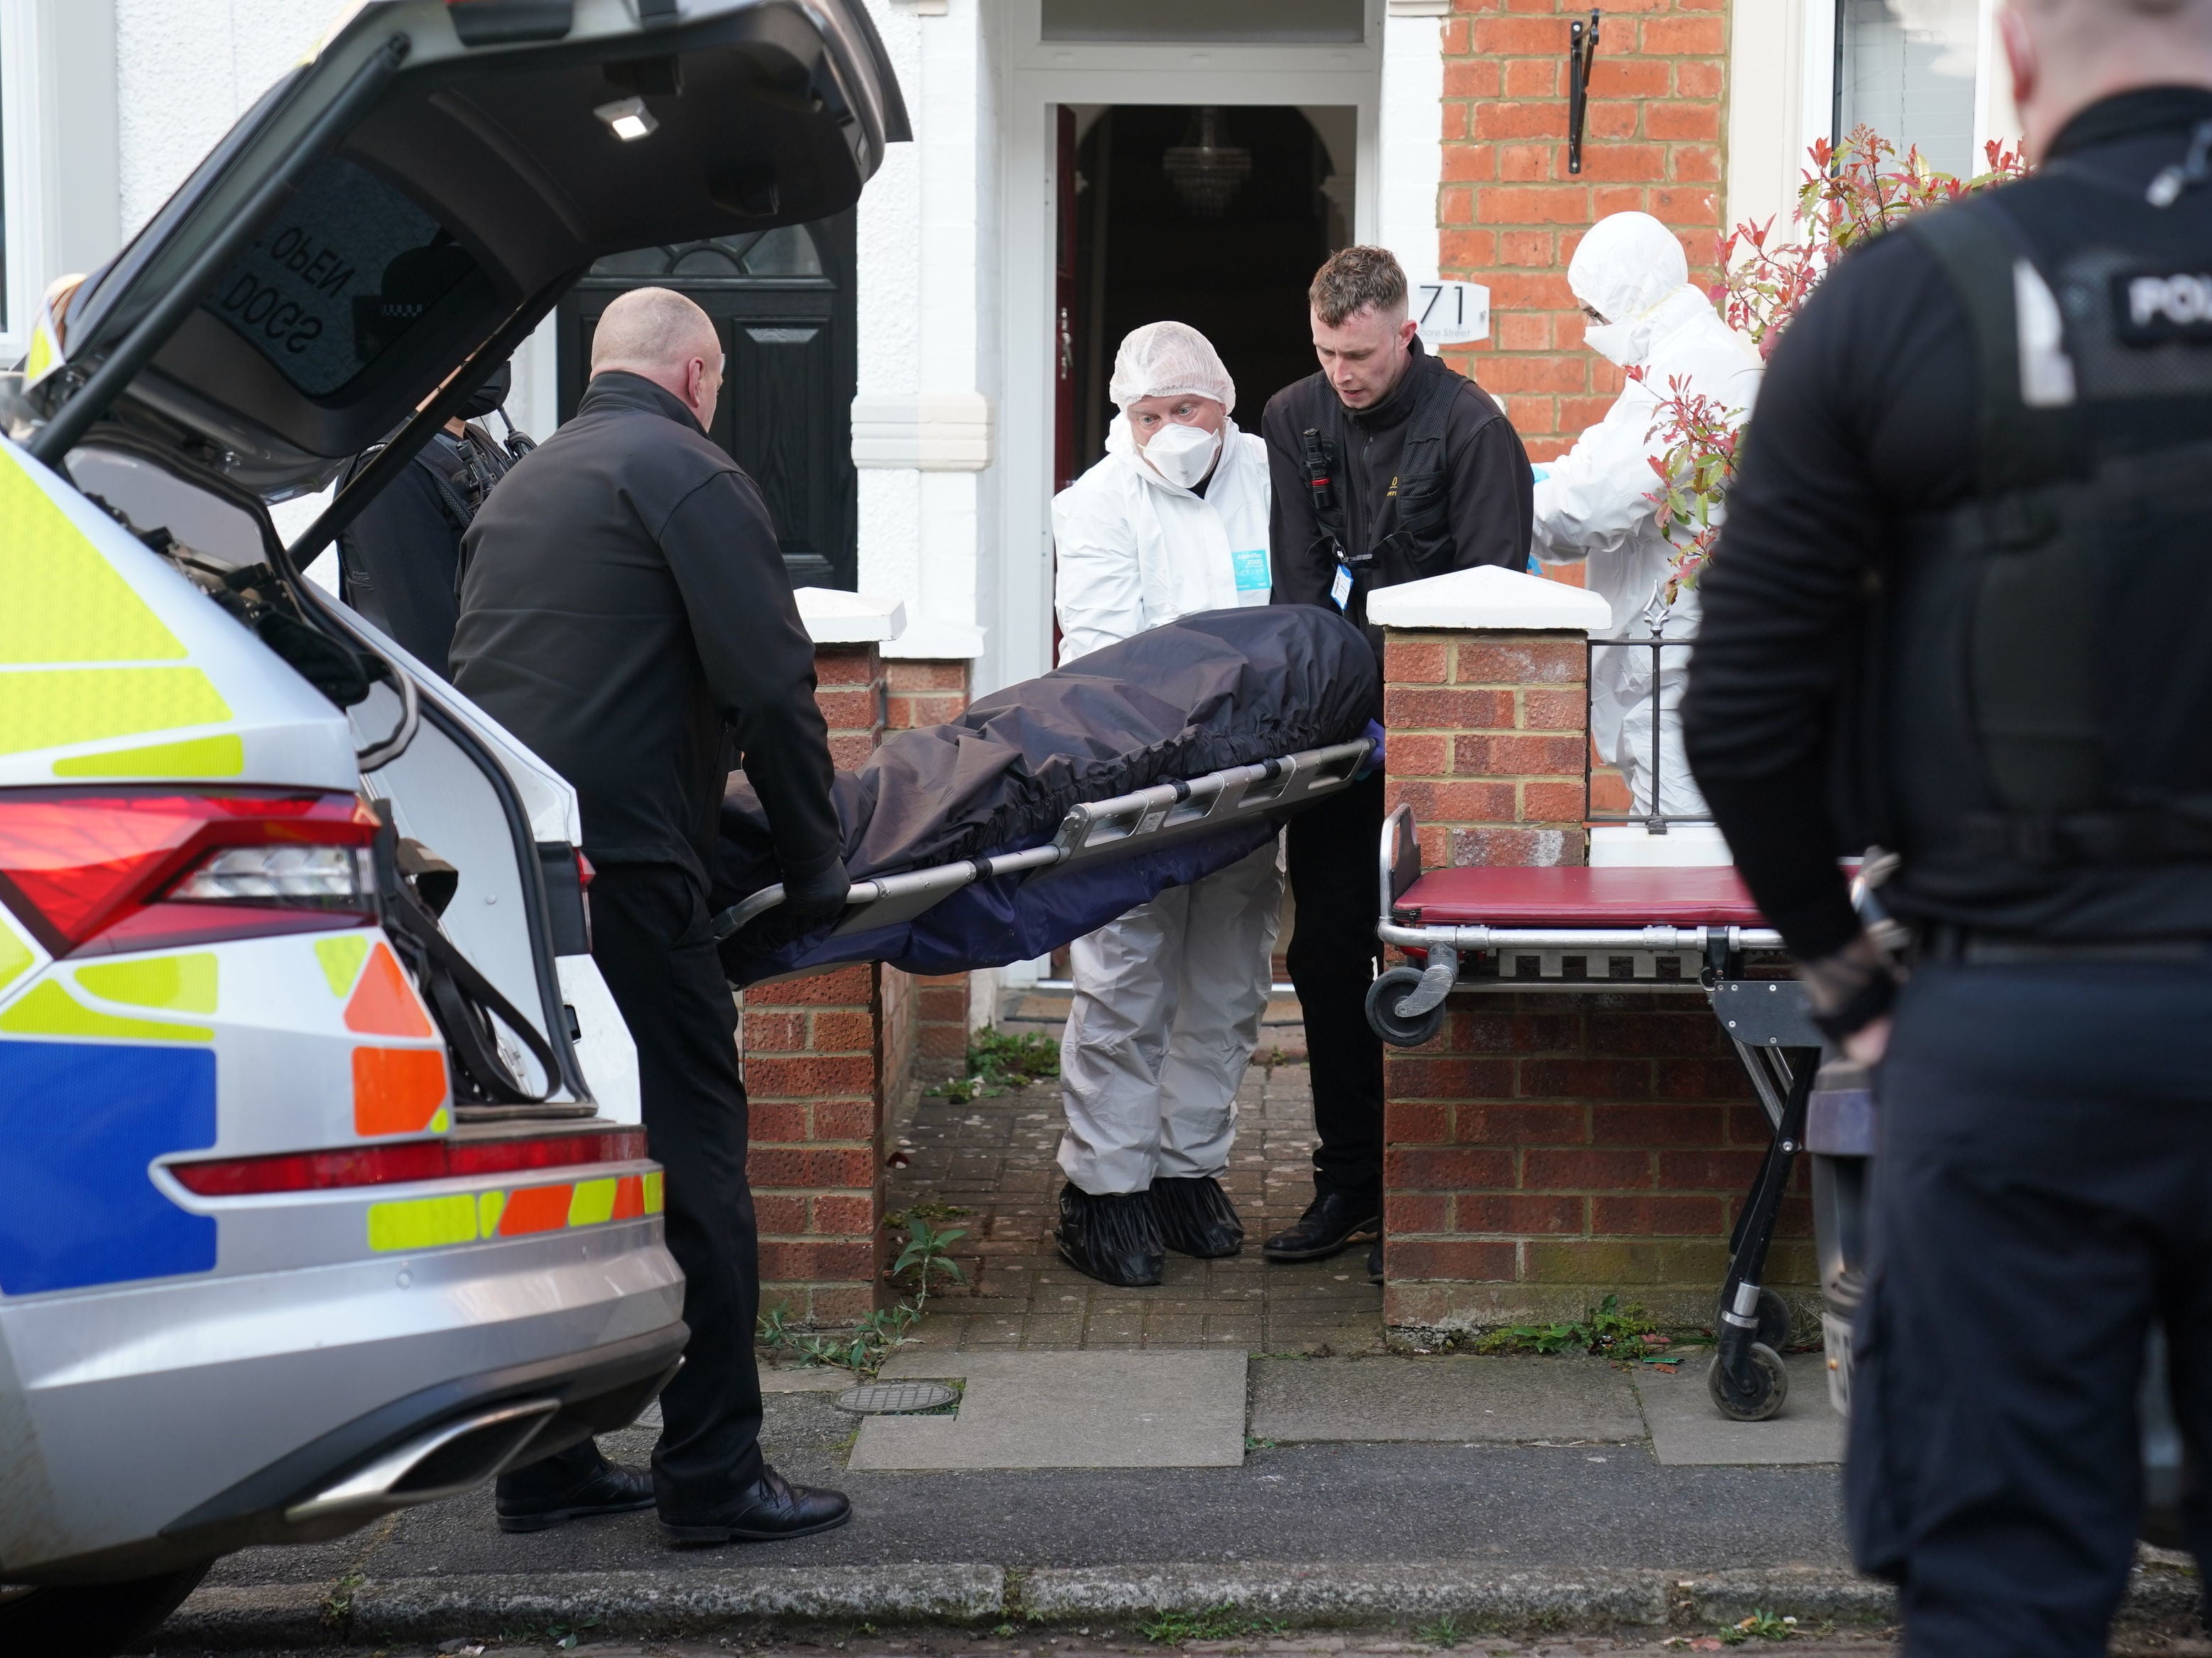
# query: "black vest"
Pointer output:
{"type": "Point", "coordinates": [1422, 491]}
{"type": "Point", "coordinates": [2041, 683]}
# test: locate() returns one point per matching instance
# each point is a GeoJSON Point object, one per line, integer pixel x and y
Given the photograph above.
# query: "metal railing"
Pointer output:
{"type": "Point", "coordinates": [1656, 821]}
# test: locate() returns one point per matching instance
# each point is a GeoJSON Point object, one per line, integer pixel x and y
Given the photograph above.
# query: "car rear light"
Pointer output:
{"type": "Point", "coordinates": [406, 1162]}
{"type": "Point", "coordinates": [327, 878]}
{"type": "Point", "coordinates": [112, 870]}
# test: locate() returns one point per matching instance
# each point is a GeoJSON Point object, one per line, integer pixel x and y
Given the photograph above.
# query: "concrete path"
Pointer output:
{"type": "Point", "coordinates": [1074, 1410]}
{"type": "Point", "coordinates": [1686, 1431]}
{"type": "Point", "coordinates": [1443, 1400]}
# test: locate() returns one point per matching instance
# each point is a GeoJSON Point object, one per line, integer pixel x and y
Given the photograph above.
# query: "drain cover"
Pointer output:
{"type": "Point", "coordinates": [895, 1398]}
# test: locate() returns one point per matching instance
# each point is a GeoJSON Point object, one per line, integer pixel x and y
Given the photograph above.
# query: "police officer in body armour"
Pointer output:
{"type": "Point", "coordinates": [399, 562]}
{"type": "Point", "coordinates": [1386, 467]}
{"type": "Point", "coordinates": [1963, 608]}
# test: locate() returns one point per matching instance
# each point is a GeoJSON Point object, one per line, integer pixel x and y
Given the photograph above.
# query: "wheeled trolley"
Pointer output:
{"type": "Point", "coordinates": [1582, 930]}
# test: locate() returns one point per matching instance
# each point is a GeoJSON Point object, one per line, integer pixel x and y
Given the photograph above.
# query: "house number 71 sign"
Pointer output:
{"type": "Point", "coordinates": [1451, 313]}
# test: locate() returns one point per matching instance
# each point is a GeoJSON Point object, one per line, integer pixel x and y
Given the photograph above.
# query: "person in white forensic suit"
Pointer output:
{"type": "Point", "coordinates": [1593, 505]}
{"type": "Point", "coordinates": [1169, 998]}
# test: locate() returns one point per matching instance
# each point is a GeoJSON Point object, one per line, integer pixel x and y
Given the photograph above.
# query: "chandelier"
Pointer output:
{"type": "Point", "coordinates": [1206, 174]}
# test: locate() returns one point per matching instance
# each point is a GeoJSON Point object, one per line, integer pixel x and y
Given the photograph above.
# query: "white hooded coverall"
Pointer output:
{"type": "Point", "coordinates": [1596, 504]}
{"type": "Point", "coordinates": [1169, 998]}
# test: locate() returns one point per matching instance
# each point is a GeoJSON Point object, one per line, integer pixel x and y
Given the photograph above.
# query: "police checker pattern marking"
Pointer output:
{"type": "Point", "coordinates": [469, 1217]}
{"type": "Point", "coordinates": [396, 1091]}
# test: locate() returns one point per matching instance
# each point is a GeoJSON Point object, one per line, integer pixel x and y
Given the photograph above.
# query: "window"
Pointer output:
{"type": "Point", "coordinates": [1910, 69]}
{"type": "Point", "coordinates": [1277, 22]}
{"type": "Point", "coordinates": [347, 269]}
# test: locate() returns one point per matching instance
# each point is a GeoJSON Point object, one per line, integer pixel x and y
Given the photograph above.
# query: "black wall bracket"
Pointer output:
{"type": "Point", "coordinates": [1582, 52]}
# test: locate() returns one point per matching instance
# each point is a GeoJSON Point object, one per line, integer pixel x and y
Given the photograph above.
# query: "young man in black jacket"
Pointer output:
{"type": "Point", "coordinates": [1388, 467]}
{"type": "Point", "coordinates": [626, 614]}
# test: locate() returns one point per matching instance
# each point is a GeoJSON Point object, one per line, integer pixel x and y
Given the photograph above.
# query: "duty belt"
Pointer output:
{"type": "Point", "coordinates": [1949, 943]}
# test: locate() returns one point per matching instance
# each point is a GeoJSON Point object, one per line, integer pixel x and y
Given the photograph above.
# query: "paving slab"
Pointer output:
{"type": "Point", "coordinates": [1464, 1400]}
{"type": "Point", "coordinates": [1090, 1409]}
{"type": "Point", "coordinates": [1687, 1431]}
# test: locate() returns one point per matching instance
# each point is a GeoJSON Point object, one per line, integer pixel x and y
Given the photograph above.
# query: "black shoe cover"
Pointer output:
{"type": "Point", "coordinates": [1115, 1238]}
{"type": "Point", "coordinates": [1196, 1217]}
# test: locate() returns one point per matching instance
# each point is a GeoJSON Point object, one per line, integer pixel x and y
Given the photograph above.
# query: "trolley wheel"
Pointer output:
{"type": "Point", "coordinates": [1775, 1325]}
{"type": "Point", "coordinates": [1769, 1386]}
{"type": "Point", "coordinates": [1382, 998]}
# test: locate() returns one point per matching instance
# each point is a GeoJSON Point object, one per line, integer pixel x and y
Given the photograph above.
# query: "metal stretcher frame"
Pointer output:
{"type": "Point", "coordinates": [1765, 1020]}
{"type": "Point", "coordinates": [1097, 833]}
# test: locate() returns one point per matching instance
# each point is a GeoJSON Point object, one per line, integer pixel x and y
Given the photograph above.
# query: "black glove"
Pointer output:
{"type": "Point", "coordinates": [817, 896]}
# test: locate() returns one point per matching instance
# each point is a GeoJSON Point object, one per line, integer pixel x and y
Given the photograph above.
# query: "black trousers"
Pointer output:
{"type": "Point", "coordinates": [651, 939]}
{"type": "Point", "coordinates": [1330, 851]}
{"type": "Point", "coordinates": [2043, 1193]}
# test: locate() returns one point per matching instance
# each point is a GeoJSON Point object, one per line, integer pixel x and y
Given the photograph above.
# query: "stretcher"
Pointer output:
{"type": "Point", "coordinates": [1585, 931]}
{"type": "Point", "coordinates": [1106, 857]}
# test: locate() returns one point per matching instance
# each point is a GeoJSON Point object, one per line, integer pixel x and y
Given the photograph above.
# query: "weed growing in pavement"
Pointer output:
{"type": "Point", "coordinates": [863, 1349]}
{"type": "Point", "coordinates": [1764, 1625]}
{"type": "Point", "coordinates": [1444, 1632]}
{"type": "Point", "coordinates": [1221, 1623]}
{"type": "Point", "coordinates": [1609, 1330]}
{"type": "Point", "coordinates": [997, 1061]}
{"type": "Point", "coordinates": [1254, 1442]}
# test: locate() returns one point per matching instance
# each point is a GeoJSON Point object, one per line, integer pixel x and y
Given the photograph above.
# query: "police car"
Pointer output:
{"type": "Point", "coordinates": [308, 1210]}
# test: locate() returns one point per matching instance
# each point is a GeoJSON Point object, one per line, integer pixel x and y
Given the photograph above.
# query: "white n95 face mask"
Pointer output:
{"type": "Point", "coordinates": [1183, 454]}
{"type": "Point", "coordinates": [1624, 342]}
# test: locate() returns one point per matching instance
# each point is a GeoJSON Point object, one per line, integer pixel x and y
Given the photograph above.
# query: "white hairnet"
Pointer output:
{"type": "Point", "coordinates": [1166, 359]}
{"type": "Point", "coordinates": [1628, 264]}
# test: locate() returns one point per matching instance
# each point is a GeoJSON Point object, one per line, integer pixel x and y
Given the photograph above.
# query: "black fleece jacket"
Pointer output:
{"type": "Point", "coordinates": [626, 614]}
{"type": "Point", "coordinates": [1492, 489]}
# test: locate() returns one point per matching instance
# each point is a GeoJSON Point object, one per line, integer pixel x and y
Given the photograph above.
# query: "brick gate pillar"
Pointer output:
{"type": "Point", "coordinates": [932, 690]}
{"type": "Point", "coordinates": [1545, 1148]}
{"type": "Point", "coordinates": [822, 1052]}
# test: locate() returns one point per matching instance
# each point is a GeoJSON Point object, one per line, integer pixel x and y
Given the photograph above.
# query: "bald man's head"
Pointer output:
{"type": "Point", "coordinates": [2067, 54]}
{"type": "Point", "coordinates": [659, 334]}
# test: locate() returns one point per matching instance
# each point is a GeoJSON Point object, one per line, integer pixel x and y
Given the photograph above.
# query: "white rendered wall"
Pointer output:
{"type": "Point", "coordinates": [925, 316]}
{"type": "Point", "coordinates": [185, 69]}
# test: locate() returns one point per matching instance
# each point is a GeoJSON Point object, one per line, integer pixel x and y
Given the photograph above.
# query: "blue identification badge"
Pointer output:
{"type": "Point", "coordinates": [1339, 590]}
{"type": "Point", "coordinates": [1253, 574]}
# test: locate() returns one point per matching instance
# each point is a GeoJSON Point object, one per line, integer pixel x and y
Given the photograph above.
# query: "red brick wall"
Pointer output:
{"type": "Point", "coordinates": [1486, 737]}
{"type": "Point", "coordinates": [932, 692]}
{"type": "Point", "coordinates": [812, 1071]}
{"type": "Point", "coordinates": [817, 1053]}
{"type": "Point", "coordinates": [1547, 1147]}
{"type": "Point", "coordinates": [1511, 214]}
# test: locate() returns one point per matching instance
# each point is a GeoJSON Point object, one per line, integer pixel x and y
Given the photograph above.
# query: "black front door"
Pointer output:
{"type": "Point", "coordinates": [782, 301]}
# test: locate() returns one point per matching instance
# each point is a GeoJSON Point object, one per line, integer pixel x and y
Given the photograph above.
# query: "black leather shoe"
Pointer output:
{"type": "Point", "coordinates": [1115, 1238]}
{"type": "Point", "coordinates": [1196, 1217]}
{"type": "Point", "coordinates": [771, 1510]}
{"type": "Point", "coordinates": [611, 1489]}
{"type": "Point", "coordinates": [1374, 1262]}
{"type": "Point", "coordinates": [1331, 1224]}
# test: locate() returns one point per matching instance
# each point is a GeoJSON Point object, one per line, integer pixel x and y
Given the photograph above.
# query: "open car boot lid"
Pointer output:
{"type": "Point", "coordinates": [421, 189]}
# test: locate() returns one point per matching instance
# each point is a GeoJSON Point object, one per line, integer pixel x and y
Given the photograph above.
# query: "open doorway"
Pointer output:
{"type": "Point", "coordinates": [1213, 216]}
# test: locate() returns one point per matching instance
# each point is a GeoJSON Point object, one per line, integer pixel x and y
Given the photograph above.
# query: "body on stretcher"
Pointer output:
{"type": "Point", "coordinates": [1098, 832]}
{"type": "Point", "coordinates": [1577, 929]}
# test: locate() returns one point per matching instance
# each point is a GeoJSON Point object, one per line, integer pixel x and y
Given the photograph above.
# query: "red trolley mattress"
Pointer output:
{"type": "Point", "coordinates": [1578, 896]}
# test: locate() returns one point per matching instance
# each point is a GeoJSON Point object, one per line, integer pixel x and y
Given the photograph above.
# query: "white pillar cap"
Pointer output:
{"type": "Point", "coordinates": [1489, 599]}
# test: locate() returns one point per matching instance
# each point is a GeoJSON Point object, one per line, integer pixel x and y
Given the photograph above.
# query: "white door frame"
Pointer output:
{"type": "Point", "coordinates": [1035, 75]}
